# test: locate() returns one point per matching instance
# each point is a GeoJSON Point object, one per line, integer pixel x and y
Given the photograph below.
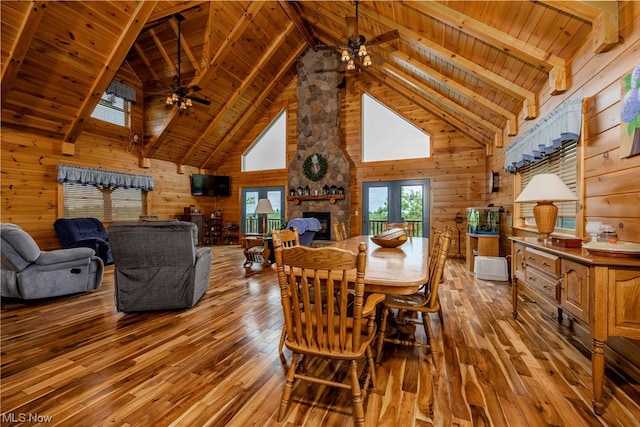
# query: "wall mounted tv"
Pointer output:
{"type": "Point", "coordinates": [210, 185]}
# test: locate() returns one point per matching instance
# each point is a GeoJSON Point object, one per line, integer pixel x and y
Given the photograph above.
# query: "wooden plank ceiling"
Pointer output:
{"type": "Point", "coordinates": [476, 64]}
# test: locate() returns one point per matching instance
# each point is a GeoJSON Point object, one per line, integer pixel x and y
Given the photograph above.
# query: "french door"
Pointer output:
{"type": "Point", "coordinates": [395, 201]}
{"type": "Point", "coordinates": [252, 222]}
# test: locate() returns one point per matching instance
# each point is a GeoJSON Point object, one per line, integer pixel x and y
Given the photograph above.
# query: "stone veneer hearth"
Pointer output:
{"type": "Point", "coordinates": [319, 132]}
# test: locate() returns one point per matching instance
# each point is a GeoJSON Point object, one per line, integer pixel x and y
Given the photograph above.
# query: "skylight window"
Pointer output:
{"type": "Point", "coordinates": [389, 136]}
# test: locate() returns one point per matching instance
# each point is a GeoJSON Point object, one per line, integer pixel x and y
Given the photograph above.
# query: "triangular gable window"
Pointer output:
{"type": "Point", "coordinates": [269, 149]}
{"type": "Point", "coordinates": [388, 136]}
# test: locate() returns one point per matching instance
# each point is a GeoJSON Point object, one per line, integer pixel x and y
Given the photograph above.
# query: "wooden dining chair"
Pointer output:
{"type": "Point", "coordinates": [425, 301]}
{"type": "Point", "coordinates": [286, 239]}
{"type": "Point", "coordinates": [314, 290]}
{"type": "Point", "coordinates": [406, 226]}
{"type": "Point", "coordinates": [340, 231]}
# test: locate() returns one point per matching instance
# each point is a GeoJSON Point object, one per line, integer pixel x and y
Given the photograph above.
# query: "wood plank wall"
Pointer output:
{"type": "Point", "coordinates": [30, 191]}
{"type": "Point", "coordinates": [456, 169]}
{"type": "Point", "coordinates": [611, 187]}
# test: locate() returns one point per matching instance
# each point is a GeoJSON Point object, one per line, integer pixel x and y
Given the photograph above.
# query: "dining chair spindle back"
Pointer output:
{"type": "Point", "coordinates": [320, 320]}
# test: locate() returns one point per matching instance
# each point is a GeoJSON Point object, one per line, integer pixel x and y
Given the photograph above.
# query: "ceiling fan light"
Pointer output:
{"type": "Point", "coordinates": [351, 65]}
{"type": "Point", "coordinates": [189, 103]}
{"type": "Point", "coordinates": [367, 61]}
{"type": "Point", "coordinates": [362, 52]}
{"type": "Point", "coordinates": [168, 101]}
{"type": "Point", "coordinates": [175, 98]}
{"type": "Point", "coordinates": [345, 56]}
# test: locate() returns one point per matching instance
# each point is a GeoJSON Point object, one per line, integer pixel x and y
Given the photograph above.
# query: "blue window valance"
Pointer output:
{"type": "Point", "coordinates": [102, 178]}
{"type": "Point", "coordinates": [122, 90]}
{"type": "Point", "coordinates": [560, 126]}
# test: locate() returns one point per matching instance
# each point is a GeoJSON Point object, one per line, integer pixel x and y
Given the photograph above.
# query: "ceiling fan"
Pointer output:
{"type": "Point", "coordinates": [355, 51]}
{"type": "Point", "coordinates": [181, 96]}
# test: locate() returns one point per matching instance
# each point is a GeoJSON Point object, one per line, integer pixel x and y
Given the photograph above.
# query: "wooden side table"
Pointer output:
{"type": "Point", "coordinates": [256, 250]}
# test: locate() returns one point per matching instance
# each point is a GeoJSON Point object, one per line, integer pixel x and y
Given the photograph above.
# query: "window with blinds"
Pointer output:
{"type": "Point", "coordinates": [106, 204]}
{"type": "Point", "coordinates": [562, 162]}
{"type": "Point", "coordinates": [112, 109]}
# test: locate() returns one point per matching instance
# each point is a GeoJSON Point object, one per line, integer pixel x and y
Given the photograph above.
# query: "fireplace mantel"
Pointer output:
{"type": "Point", "coordinates": [332, 198]}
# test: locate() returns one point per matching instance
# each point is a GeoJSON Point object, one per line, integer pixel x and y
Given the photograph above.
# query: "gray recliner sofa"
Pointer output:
{"type": "Point", "coordinates": [157, 265]}
{"type": "Point", "coordinates": [29, 273]}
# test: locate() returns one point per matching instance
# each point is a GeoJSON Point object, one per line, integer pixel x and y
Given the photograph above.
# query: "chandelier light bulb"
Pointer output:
{"type": "Point", "coordinates": [367, 61]}
{"type": "Point", "coordinates": [175, 98]}
{"type": "Point", "coordinates": [169, 101]}
{"type": "Point", "coordinates": [345, 56]}
{"type": "Point", "coordinates": [189, 103]}
{"type": "Point", "coordinates": [351, 65]}
{"type": "Point", "coordinates": [362, 52]}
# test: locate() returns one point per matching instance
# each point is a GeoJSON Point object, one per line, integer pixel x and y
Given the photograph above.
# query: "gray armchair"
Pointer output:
{"type": "Point", "coordinates": [157, 265]}
{"type": "Point", "coordinates": [29, 273]}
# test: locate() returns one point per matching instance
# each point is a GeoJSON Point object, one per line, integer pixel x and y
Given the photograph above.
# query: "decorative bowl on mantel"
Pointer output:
{"type": "Point", "coordinates": [618, 249]}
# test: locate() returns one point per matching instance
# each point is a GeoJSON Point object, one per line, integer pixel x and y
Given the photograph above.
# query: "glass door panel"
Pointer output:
{"type": "Point", "coordinates": [252, 222]}
{"type": "Point", "coordinates": [396, 201]}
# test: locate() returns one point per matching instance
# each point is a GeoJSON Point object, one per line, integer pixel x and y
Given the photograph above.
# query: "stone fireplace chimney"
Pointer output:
{"type": "Point", "coordinates": [319, 132]}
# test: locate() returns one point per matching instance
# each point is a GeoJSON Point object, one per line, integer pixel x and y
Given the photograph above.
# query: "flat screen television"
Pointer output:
{"type": "Point", "coordinates": [210, 185]}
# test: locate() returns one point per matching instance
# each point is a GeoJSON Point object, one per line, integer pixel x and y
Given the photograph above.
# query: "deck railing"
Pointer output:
{"type": "Point", "coordinates": [378, 226]}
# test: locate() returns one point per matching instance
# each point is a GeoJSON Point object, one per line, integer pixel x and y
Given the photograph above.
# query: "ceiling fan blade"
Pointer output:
{"type": "Point", "coordinates": [385, 37]}
{"type": "Point", "coordinates": [194, 88]}
{"type": "Point", "coordinates": [352, 25]}
{"type": "Point", "coordinates": [200, 100]}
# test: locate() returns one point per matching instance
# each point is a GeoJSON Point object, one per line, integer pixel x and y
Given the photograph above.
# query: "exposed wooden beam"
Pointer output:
{"type": "Point", "coordinates": [179, 7]}
{"type": "Point", "coordinates": [530, 101]}
{"type": "Point", "coordinates": [120, 49]}
{"type": "Point", "coordinates": [439, 98]}
{"type": "Point", "coordinates": [293, 12]}
{"type": "Point", "coordinates": [248, 115]}
{"type": "Point", "coordinates": [183, 43]}
{"type": "Point", "coordinates": [602, 14]}
{"type": "Point", "coordinates": [499, 39]}
{"type": "Point", "coordinates": [248, 81]}
{"type": "Point", "coordinates": [24, 36]}
{"type": "Point", "coordinates": [163, 52]}
{"type": "Point", "coordinates": [146, 62]}
{"type": "Point", "coordinates": [462, 90]}
{"type": "Point", "coordinates": [206, 74]}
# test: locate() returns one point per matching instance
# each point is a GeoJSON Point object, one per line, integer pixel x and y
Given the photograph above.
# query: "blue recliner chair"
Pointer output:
{"type": "Point", "coordinates": [84, 233]}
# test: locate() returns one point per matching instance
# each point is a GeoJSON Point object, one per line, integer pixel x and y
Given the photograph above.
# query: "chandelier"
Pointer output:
{"type": "Point", "coordinates": [356, 50]}
{"type": "Point", "coordinates": [179, 98]}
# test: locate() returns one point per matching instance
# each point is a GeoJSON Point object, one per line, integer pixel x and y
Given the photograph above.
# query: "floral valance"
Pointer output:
{"type": "Point", "coordinates": [560, 126]}
{"type": "Point", "coordinates": [102, 178]}
{"type": "Point", "coordinates": [122, 90]}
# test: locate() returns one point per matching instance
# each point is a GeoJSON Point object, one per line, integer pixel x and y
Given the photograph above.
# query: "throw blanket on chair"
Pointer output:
{"type": "Point", "coordinates": [304, 224]}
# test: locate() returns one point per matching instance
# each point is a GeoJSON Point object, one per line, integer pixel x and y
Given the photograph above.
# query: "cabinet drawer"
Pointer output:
{"type": "Point", "coordinates": [544, 262]}
{"type": "Point", "coordinates": [544, 284]}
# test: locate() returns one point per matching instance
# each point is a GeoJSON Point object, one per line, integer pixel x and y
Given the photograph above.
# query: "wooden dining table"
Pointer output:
{"type": "Point", "coordinates": [399, 271]}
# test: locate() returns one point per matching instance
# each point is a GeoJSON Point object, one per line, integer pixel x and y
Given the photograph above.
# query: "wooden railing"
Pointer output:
{"type": "Point", "coordinates": [378, 226]}
{"type": "Point", "coordinates": [252, 225]}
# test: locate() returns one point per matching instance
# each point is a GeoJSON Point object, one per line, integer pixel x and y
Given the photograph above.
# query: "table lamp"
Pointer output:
{"type": "Point", "coordinates": [546, 188]}
{"type": "Point", "coordinates": [264, 208]}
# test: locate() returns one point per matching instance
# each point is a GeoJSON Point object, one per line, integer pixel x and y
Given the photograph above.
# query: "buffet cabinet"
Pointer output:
{"type": "Point", "coordinates": [600, 292]}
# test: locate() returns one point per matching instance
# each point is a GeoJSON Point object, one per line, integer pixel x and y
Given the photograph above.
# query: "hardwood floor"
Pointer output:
{"type": "Point", "coordinates": [81, 363]}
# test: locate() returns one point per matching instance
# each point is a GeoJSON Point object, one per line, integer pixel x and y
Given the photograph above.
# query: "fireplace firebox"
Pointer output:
{"type": "Point", "coordinates": [325, 223]}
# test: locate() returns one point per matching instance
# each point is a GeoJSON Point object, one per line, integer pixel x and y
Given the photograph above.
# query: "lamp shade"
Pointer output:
{"type": "Point", "coordinates": [264, 207]}
{"type": "Point", "coordinates": [546, 187]}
